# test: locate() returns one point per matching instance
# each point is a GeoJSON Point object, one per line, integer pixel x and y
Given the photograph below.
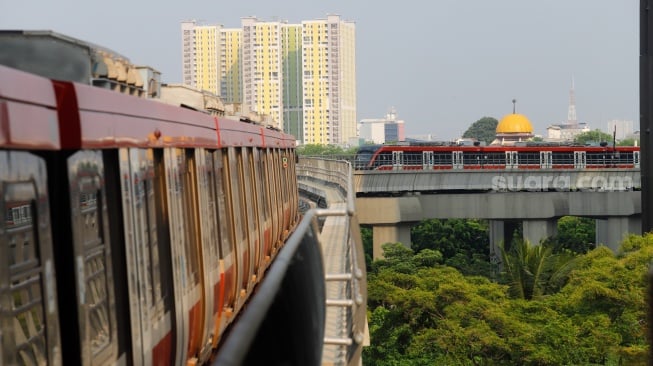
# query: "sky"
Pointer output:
{"type": "Point", "coordinates": [441, 64]}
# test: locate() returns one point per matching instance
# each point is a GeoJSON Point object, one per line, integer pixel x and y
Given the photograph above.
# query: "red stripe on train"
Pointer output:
{"type": "Point", "coordinates": [194, 329]}
{"type": "Point", "coordinates": [161, 353]}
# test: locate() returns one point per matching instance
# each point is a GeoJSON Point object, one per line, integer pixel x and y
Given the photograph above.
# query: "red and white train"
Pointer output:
{"type": "Point", "coordinates": [442, 156]}
{"type": "Point", "coordinates": [135, 232]}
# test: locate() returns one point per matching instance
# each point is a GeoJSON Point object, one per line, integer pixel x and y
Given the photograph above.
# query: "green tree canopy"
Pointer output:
{"type": "Point", "coordinates": [576, 234]}
{"type": "Point", "coordinates": [485, 129]}
{"type": "Point", "coordinates": [628, 142]}
{"type": "Point", "coordinates": [595, 136]}
{"type": "Point", "coordinates": [322, 150]}
{"type": "Point", "coordinates": [422, 313]}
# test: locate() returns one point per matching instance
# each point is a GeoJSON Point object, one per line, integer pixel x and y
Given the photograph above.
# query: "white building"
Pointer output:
{"type": "Point", "coordinates": [623, 129]}
{"type": "Point", "coordinates": [381, 130]}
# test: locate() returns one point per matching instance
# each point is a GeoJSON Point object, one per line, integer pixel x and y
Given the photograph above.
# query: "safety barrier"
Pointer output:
{"type": "Point", "coordinates": [346, 276]}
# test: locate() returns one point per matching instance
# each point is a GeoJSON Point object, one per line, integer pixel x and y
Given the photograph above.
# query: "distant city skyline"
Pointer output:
{"type": "Point", "coordinates": [443, 64]}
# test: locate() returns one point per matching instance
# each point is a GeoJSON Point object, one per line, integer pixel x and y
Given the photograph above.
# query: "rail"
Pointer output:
{"type": "Point", "coordinates": [344, 264]}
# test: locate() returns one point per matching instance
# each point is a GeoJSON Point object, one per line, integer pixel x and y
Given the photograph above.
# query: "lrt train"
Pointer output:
{"type": "Point", "coordinates": [138, 232]}
{"type": "Point", "coordinates": [525, 155]}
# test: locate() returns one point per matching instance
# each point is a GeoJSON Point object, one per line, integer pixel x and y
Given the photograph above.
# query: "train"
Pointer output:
{"type": "Point", "coordinates": [141, 233]}
{"type": "Point", "coordinates": [525, 155]}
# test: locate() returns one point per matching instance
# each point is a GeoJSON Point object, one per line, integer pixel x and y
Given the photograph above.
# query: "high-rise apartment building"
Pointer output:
{"type": "Point", "coordinates": [262, 68]}
{"type": "Point", "coordinates": [231, 82]}
{"type": "Point", "coordinates": [293, 97]}
{"type": "Point", "coordinates": [329, 80]}
{"type": "Point", "coordinates": [201, 56]}
{"type": "Point", "coordinates": [301, 75]}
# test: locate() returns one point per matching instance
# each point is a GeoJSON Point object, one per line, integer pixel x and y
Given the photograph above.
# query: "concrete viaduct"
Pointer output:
{"type": "Point", "coordinates": [392, 201]}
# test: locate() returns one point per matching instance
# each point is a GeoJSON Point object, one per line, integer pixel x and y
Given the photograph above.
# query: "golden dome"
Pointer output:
{"type": "Point", "coordinates": [515, 123]}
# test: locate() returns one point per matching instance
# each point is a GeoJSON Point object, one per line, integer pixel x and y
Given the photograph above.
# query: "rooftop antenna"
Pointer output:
{"type": "Point", "coordinates": [514, 105]}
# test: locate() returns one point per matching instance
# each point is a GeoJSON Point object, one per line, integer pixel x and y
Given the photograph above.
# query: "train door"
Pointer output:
{"type": "Point", "coordinates": [92, 259]}
{"type": "Point", "coordinates": [29, 327]}
{"type": "Point", "coordinates": [275, 205]}
{"type": "Point", "coordinates": [180, 178]}
{"type": "Point", "coordinates": [580, 160]}
{"type": "Point", "coordinates": [284, 195]}
{"type": "Point", "coordinates": [226, 242]}
{"type": "Point", "coordinates": [397, 157]}
{"type": "Point", "coordinates": [263, 191]}
{"type": "Point", "coordinates": [239, 229]}
{"type": "Point", "coordinates": [636, 159]}
{"type": "Point", "coordinates": [457, 160]}
{"type": "Point", "coordinates": [147, 254]}
{"type": "Point", "coordinates": [250, 208]}
{"type": "Point", "coordinates": [210, 250]}
{"type": "Point", "coordinates": [291, 205]}
{"type": "Point", "coordinates": [512, 160]}
{"type": "Point", "coordinates": [262, 212]}
{"type": "Point", "coordinates": [427, 160]}
{"type": "Point", "coordinates": [546, 159]}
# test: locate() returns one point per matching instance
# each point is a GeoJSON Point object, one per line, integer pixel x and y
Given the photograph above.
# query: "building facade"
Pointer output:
{"type": "Point", "coordinates": [302, 76]}
{"type": "Point", "coordinates": [231, 76]}
{"type": "Point", "coordinates": [201, 56]}
{"type": "Point", "coordinates": [293, 95]}
{"type": "Point", "coordinates": [382, 130]}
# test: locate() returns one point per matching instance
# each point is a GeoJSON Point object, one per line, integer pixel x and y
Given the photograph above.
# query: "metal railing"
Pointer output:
{"type": "Point", "coordinates": [351, 275]}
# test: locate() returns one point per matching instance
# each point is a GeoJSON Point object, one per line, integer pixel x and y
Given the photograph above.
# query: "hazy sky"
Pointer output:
{"type": "Point", "coordinates": [442, 64]}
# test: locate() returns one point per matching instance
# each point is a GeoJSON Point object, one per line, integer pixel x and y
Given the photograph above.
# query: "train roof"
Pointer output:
{"type": "Point", "coordinates": [38, 113]}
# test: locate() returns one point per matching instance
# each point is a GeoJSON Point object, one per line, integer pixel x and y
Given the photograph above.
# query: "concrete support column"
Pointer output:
{"type": "Point", "coordinates": [497, 237]}
{"type": "Point", "coordinates": [611, 231]}
{"type": "Point", "coordinates": [381, 234]}
{"type": "Point", "coordinates": [537, 230]}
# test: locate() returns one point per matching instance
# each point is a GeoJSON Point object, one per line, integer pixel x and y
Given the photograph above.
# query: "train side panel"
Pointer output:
{"type": "Point", "coordinates": [29, 325]}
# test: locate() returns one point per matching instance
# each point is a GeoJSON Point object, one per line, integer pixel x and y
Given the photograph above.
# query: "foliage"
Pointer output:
{"type": "Point", "coordinates": [368, 245]}
{"type": "Point", "coordinates": [533, 271]}
{"type": "Point", "coordinates": [628, 142]}
{"type": "Point", "coordinates": [324, 150]}
{"type": "Point", "coordinates": [576, 234]}
{"type": "Point", "coordinates": [483, 130]}
{"type": "Point", "coordinates": [423, 313]}
{"type": "Point", "coordinates": [464, 244]}
{"type": "Point", "coordinates": [595, 136]}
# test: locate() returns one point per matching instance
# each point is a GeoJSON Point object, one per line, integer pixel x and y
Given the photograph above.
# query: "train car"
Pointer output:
{"type": "Point", "coordinates": [444, 156]}
{"type": "Point", "coordinates": [135, 232]}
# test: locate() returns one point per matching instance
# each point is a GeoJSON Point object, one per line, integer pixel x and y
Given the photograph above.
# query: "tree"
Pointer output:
{"type": "Point", "coordinates": [627, 142]}
{"type": "Point", "coordinates": [464, 244]}
{"type": "Point", "coordinates": [483, 130]}
{"type": "Point", "coordinates": [574, 233]}
{"type": "Point", "coordinates": [534, 270]}
{"type": "Point", "coordinates": [324, 150]}
{"type": "Point", "coordinates": [595, 136]}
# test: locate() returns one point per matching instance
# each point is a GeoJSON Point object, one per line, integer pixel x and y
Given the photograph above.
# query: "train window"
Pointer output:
{"type": "Point", "coordinates": [25, 274]}
{"type": "Point", "coordinates": [563, 158]}
{"type": "Point", "coordinates": [189, 177]}
{"type": "Point", "coordinates": [238, 194]}
{"type": "Point", "coordinates": [91, 240]}
{"type": "Point", "coordinates": [206, 193]}
{"type": "Point", "coordinates": [224, 220]}
{"type": "Point", "coordinates": [149, 204]}
{"type": "Point", "coordinates": [160, 230]}
{"type": "Point", "coordinates": [140, 219]}
{"type": "Point", "coordinates": [263, 183]}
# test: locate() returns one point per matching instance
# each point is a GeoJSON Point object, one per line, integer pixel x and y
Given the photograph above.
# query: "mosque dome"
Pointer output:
{"type": "Point", "coordinates": [514, 123]}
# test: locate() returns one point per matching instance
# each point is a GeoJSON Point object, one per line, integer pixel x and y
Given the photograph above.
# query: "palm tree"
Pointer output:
{"type": "Point", "coordinates": [535, 271]}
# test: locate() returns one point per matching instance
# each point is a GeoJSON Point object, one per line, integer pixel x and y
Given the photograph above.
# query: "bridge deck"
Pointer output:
{"type": "Point", "coordinates": [334, 238]}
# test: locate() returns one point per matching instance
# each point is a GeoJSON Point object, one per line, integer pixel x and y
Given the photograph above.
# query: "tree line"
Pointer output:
{"type": "Point", "coordinates": [444, 302]}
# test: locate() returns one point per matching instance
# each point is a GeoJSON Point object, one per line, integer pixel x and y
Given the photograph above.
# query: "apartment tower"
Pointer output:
{"type": "Point", "coordinates": [303, 76]}
{"type": "Point", "coordinates": [201, 56]}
